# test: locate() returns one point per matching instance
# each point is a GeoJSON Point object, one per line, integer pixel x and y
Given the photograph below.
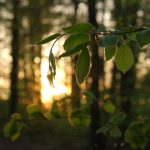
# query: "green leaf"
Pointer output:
{"type": "Point", "coordinates": [89, 95]}
{"type": "Point", "coordinates": [124, 58]}
{"type": "Point", "coordinates": [15, 136]}
{"type": "Point", "coordinates": [50, 78]}
{"type": "Point", "coordinates": [83, 66]}
{"type": "Point", "coordinates": [85, 108]}
{"type": "Point", "coordinates": [48, 39]}
{"type": "Point", "coordinates": [115, 132]}
{"type": "Point", "coordinates": [75, 113]}
{"type": "Point", "coordinates": [105, 129]}
{"type": "Point", "coordinates": [111, 130]}
{"type": "Point", "coordinates": [118, 118]}
{"type": "Point", "coordinates": [8, 129]}
{"type": "Point", "coordinates": [77, 116]}
{"type": "Point", "coordinates": [52, 62]}
{"type": "Point", "coordinates": [16, 116]}
{"type": "Point", "coordinates": [110, 52]}
{"type": "Point", "coordinates": [34, 111]}
{"type": "Point", "coordinates": [12, 129]}
{"type": "Point", "coordinates": [136, 136]}
{"type": "Point", "coordinates": [75, 40]}
{"type": "Point", "coordinates": [79, 28]}
{"type": "Point", "coordinates": [52, 68]}
{"type": "Point", "coordinates": [143, 37]}
{"type": "Point", "coordinates": [54, 111]}
{"type": "Point", "coordinates": [109, 40]}
{"type": "Point", "coordinates": [132, 36]}
{"type": "Point", "coordinates": [109, 107]}
{"type": "Point", "coordinates": [74, 50]}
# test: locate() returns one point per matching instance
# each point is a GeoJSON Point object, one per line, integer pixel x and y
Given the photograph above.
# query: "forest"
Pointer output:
{"type": "Point", "coordinates": [75, 74]}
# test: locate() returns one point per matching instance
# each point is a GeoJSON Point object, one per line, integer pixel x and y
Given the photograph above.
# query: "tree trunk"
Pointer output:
{"type": "Point", "coordinates": [75, 94]}
{"type": "Point", "coordinates": [15, 51]}
{"type": "Point", "coordinates": [97, 140]}
{"type": "Point", "coordinates": [35, 33]}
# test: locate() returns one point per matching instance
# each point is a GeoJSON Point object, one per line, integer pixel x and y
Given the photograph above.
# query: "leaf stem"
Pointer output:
{"type": "Point", "coordinates": [117, 32]}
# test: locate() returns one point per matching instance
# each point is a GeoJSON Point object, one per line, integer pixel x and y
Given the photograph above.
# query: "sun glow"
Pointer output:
{"type": "Point", "coordinates": [60, 88]}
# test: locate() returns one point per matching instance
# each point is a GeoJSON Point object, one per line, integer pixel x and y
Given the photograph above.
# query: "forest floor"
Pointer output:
{"type": "Point", "coordinates": [44, 143]}
{"type": "Point", "coordinates": [52, 135]}
{"type": "Point", "coordinates": [56, 134]}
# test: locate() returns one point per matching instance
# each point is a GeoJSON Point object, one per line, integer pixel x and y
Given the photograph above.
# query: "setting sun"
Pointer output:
{"type": "Point", "coordinates": [49, 92]}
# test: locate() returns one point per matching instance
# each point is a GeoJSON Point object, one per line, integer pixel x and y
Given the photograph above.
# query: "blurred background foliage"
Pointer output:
{"type": "Point", "coordinates": [23, 71]}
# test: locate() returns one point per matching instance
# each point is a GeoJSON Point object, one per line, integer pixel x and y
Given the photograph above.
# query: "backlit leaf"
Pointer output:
{"type": "Point", "coordinates": [74, 50]}
{"type": "Point", "coordinates": [143, 37]}
{"type": "Point", "coordinates": [54, 111]}
{"type": "Point", "coordinates": [109, 40]}
{"type": "Point", "coordinates": [50, 78]}
{"type": "Point", "coordinates": [109, 107]}
{"type": "Point", "coordinates": [77, 117]}
{"type": "Point", "coordinates": [13, 127]}
{"type": "Point", "coordinates": [34, 111]}
{"type": "Point", "coordinates": [16, 116]}
{"type": "Point", "coordinates": [83, 66]}
{"type": "Point", "coordinates": [52, 62]}
{"type": "Point", "coordinates": [124, 58]}
{"type": "Point", "coordinates": [48, 39]}
{"type": "Point", "coordinates": [136, 136]}
{"type": "Point", "coordinates": [118, 118]}
{"type": "Point", "coordinates": [75, 40]}
{"type": "Point", "coordinates": [110, 52]}
{"type": "Point", "coordinates": [79, 28]}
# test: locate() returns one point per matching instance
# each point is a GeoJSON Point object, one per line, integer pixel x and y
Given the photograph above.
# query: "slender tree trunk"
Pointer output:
{"type": "Point", "coordinates": [35, 56]}
{"type": "Point", "coordinates": [97, 142]}
{"type": "Point", "coordinates": [75, 94]}
{"type": "Point", "coordinates": [15, 57]}
{"type": "Point", "coordinates": [75, 4]}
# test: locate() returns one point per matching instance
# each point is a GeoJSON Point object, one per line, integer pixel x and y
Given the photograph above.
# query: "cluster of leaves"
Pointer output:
{"type": "Point", "coordinates": [12, 129]}
{"type": "Point", "coordinates": [136, 134]}
{"type": "Point", "coordinates": [116, 45]}
{"type": "Point", "coordinates": [112, 127]}
{"type": "Point", "coordinates": [80, 38]}
{"type": "Point", "coordinates": [82, 35]}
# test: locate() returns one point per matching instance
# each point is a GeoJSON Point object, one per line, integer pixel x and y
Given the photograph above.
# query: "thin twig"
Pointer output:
{"type": "Point", "coordinates": [118, 32]}
{"type": "Point", "coordinates": [56, 41]}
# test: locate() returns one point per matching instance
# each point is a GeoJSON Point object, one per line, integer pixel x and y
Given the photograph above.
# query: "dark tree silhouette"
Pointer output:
{"type": "Point", "coordinates": [97, 142]}
{"type": "Point", "coordinates": [75, 89]}
{"type": "Point", "coordinates": [15, 52]}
